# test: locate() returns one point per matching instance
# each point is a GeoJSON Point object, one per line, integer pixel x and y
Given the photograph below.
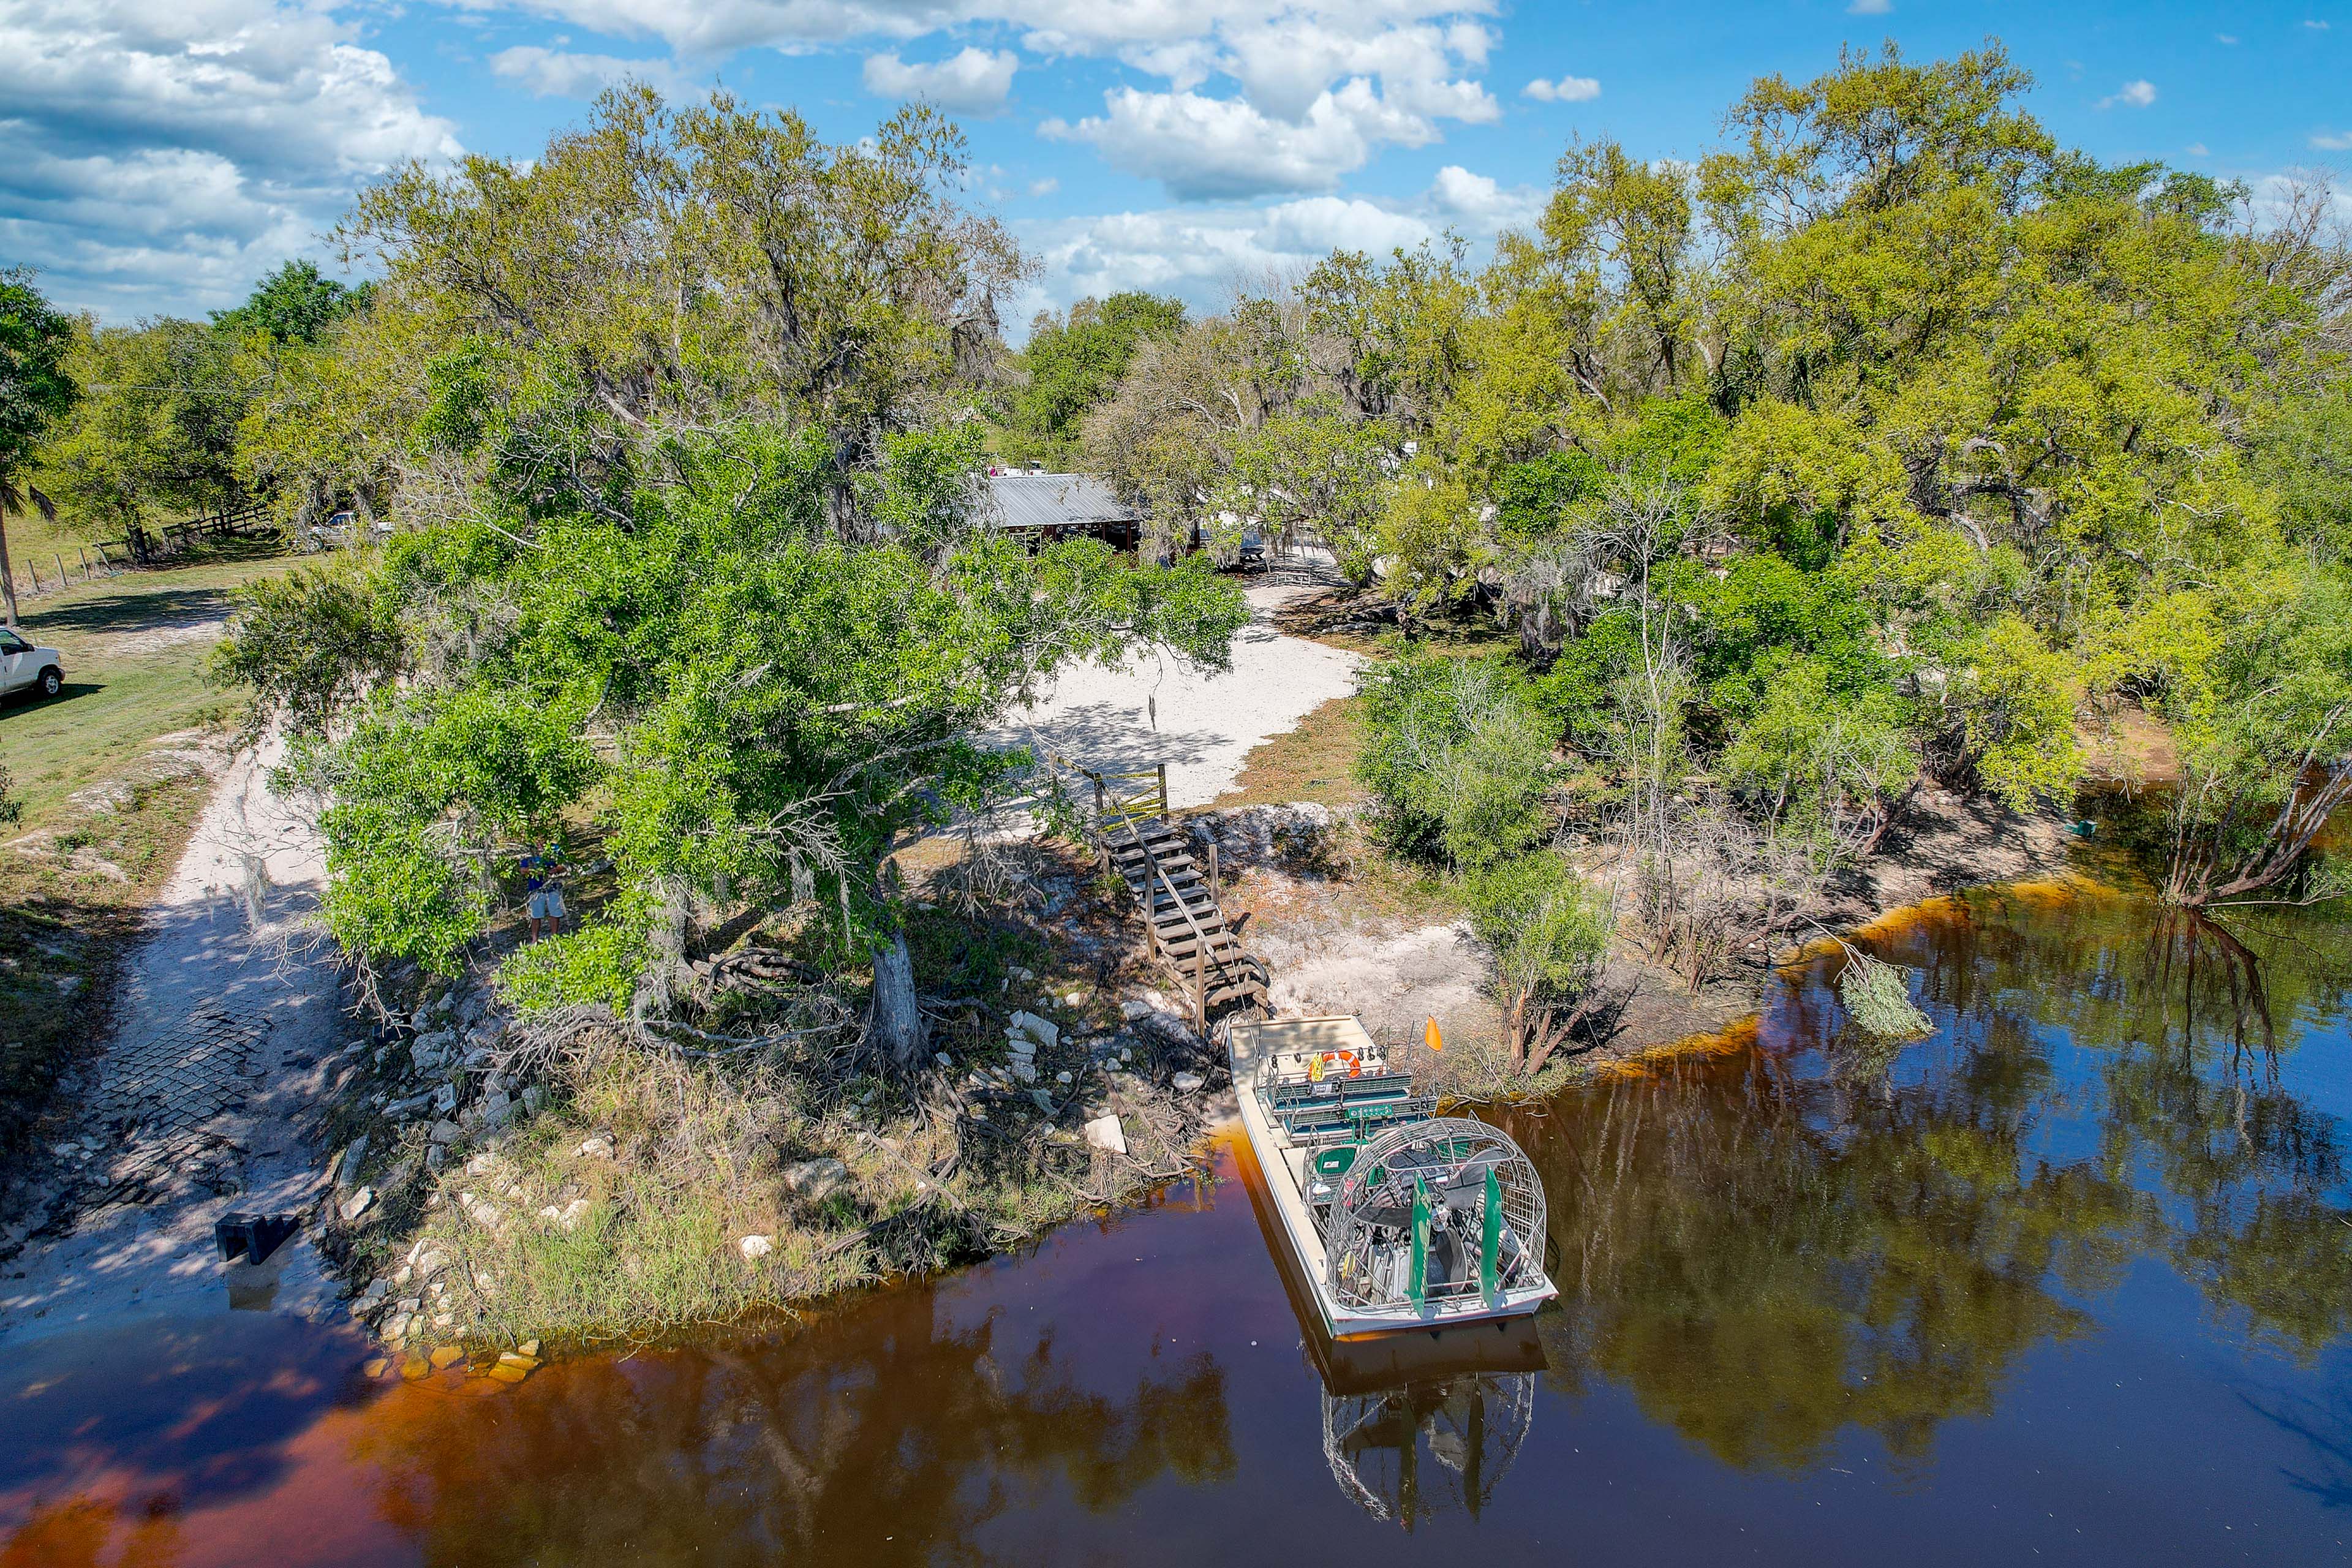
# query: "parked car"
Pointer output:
{"type": "Point", "coordinates": [24, 666]}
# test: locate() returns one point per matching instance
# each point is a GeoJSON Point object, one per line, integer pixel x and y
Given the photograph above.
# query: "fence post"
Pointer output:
{"type": "Point", "coordinates": [1163, 789]}
{"type": "Point", "coordinates": [86, 573]}
{"type": "Point", "coordinates": [61, 567]}
{"type": "Point", "coordinates": [1200, 984]}
{"type": "Point", "coordinates": [1216, 883]}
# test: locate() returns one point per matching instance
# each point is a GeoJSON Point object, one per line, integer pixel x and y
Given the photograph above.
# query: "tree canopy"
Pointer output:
{"type": "Point", "coordinates": [688, 551]}
{"type": "Point", "coordinates": [1968, 438]}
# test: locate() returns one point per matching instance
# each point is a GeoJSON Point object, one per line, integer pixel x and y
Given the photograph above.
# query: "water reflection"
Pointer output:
{"type": "Point", "coordinates": [1410, 1454]}
{"type": "Point", "coordinates": [886, 1432]}
{"type": "Point", "coordinates": [2076, 1271]}
{"type": "Point", "coordinates": [1774, 1246]}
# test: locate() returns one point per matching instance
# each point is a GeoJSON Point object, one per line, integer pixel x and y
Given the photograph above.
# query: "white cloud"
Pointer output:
{"type": "Point", "coordinates": [975, 81]}
{"type": "Point", "coordinates": [2133, 94]}
{"type": "Point", "coordinates": [1567, 89]}
{"type": "Point", "coordinates": [2319, 27]}
{"type": "Point", "coordinates": [557, 73]}
{"type": "Point", "coordinates": [2225, 37]}
{"type": "Point", "coordinates": [162, 156]}
{"type": "Point", "coordinates": [1044, 188]}
{"type": "Point", "coordinates": [2197, 149]}
{"type": "Point", "coordinates": [1479, 205]}
{"type": "Point", "coordinates": [1222, 147]}
{"type": "Point", "coordinates": [1200, 253]}
{"type": "Point", "coordinates": [1316, 226]}
{"type": "Point", "coordinates": [1871, 7]}
{"type": "Point", "coordinates": [2341, 142]}
{"type": "Point", "coordinates": [1325, 83]}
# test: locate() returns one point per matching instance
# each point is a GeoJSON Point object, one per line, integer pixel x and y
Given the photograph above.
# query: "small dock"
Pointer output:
{"type": "Point", "coordinates": [1184, 927]}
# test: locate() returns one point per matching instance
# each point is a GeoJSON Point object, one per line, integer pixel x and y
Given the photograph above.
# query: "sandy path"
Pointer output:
{"type": "Point", "coordinates": [1151, 710]}
{"type": "Point", "coordinates": [216, 1059]}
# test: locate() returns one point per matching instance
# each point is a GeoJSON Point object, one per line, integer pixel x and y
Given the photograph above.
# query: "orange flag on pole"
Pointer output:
{"type": "Point", "coordinates": [1430, 1036]}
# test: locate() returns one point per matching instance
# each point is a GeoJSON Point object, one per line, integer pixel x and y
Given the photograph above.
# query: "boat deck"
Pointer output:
{"type": "Point", "coordinates": [1285, 1133]}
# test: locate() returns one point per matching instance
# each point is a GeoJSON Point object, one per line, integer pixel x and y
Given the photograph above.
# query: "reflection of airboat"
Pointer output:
{"type": "Point", "coordinates": [1409, 1452]}
{"type": "Point", "coordinates": [1397, 1219]}
{"type": "Point", "coordinates": [1413, 1424]}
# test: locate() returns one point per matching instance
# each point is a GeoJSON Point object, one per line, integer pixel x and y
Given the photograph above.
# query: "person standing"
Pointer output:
{"type": "Point", "coordinates": [543, 888]}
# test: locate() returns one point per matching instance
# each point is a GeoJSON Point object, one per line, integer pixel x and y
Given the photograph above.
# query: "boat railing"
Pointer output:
{"type": "Point", "coordinates": [1341, 1109]}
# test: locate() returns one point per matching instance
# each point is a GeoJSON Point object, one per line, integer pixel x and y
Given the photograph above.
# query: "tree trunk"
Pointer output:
{"type": "Point", "coordinates": [7, 577]}
{"type": "Point", "coordinates": [897, 1018]}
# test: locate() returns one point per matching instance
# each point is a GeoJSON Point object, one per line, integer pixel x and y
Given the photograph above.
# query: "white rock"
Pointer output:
{"type": "Point", "coordinates": [356, 1204]}
{"type": "Point", "coordinates": [1042, 1030]}
{"type": "Point", "coordinates": [596, 1147]}
{"type": "Point", "coordinates": [496, 1108]}
{"type": "Point", "coordinates": [756, 1247]}
{"type": "Point", "coordinates": [446, 1132]}
{"type": "Point", "coordinates": [1061, 1078]}
{"type": "Point", "coordinates": [1075, 999]}
{"type": "Point", "coordinates": [1187, 1082]}
{"type": "Point", "coordinates": [1133, 1009]}
{"type": "Point", "coordinates": [813, 1179]}
{"type": "Point", "coordinates": [1159, 1003]}
{"type": "Point", "coordinates": [572, 1213]}
{"type": "Point", "coordinates": [1104, 1133]}
{"type": "Point", "coordinates": [1025, 1071]}
{"type": "Point", "coordinates": [944, 1060]}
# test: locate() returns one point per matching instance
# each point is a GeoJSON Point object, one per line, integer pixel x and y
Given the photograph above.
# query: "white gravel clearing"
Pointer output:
{"type": "Point", "coordinates": [1202, 726]}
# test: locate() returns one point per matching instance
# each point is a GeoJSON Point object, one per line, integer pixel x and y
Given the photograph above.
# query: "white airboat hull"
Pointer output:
{"type": "Point", "coordinates": [1253, 1045]}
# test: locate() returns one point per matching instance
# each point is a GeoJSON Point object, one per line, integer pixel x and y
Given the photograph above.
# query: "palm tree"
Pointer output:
{"type": "Point", "coordinates": [34, 391]}
{"type": "Point", "coordinates": [16, 497]}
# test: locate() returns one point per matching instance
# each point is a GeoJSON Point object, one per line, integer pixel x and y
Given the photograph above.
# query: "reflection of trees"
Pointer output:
{"type": "Point", "coordinates": [875, 1435]}
{"type": "Point", "coordinates": [1763, 1269]}
{"type": "Point", "coordinates": [1766, 1251]}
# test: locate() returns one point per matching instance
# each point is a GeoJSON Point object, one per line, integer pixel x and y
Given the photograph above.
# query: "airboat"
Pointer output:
{"type": "Point", "coordinates": [1395, 1217]}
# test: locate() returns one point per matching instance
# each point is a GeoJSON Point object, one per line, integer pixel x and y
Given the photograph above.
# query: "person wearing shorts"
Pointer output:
{"type": "Point", "coordinates": [542, 894]}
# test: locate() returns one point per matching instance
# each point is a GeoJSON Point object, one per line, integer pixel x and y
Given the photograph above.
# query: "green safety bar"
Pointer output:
{"type": "Point", "coordinates": [1490, 1238]}
{"type": "Point", "coordinates": [1419, 1287]}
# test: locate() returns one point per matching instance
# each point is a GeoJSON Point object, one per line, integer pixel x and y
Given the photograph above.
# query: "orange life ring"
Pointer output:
{"type": "Point", "coordinates": [1346, 1058]}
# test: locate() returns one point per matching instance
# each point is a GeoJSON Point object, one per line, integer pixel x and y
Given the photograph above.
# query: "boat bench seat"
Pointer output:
{"type": "Point", "coordinates": [1352, 1119]}
{"type": "Point", "coordinates": [1299, 1093]}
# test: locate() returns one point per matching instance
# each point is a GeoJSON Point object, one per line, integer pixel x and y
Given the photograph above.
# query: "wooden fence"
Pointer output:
{"type": "Point", "coordinates": [137, 547]}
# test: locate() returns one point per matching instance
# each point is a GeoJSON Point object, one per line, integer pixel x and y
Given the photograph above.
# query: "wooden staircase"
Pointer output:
{"type": "Point", "coordinates": [1183, 925]}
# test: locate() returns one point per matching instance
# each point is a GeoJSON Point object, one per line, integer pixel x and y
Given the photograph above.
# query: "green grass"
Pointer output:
{"type": "Point", "coordinates": [134, 670]}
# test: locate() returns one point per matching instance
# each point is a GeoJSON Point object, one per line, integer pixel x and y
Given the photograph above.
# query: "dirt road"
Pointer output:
{"type": "Point", "coordinates": [196, 1107]}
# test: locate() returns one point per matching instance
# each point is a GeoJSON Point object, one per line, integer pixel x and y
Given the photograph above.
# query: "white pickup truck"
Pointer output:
{"type": "Point", "coordinates": [24, 666]}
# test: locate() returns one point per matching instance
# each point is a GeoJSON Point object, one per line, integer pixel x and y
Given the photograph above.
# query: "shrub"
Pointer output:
{"type": "Point", "coordinates": [1548, 932]}
{"type": "Point", "coordinates": [1458, 758]}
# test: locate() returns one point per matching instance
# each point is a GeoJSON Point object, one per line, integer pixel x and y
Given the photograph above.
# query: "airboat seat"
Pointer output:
{"type": "Point", "coordinates": [1336, 1160]}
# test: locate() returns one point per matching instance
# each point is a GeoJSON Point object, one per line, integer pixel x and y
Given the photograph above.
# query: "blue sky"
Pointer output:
{"type": "Point", "coordinates": [158, 155]}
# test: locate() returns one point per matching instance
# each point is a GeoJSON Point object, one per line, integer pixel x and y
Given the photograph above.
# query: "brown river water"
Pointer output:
{"type": "Point", "coordinates": [2069, 1281]}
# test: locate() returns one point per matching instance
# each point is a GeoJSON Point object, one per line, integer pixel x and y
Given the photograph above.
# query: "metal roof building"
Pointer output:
{"type": "Point", "coordinates": [1078, 503]}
